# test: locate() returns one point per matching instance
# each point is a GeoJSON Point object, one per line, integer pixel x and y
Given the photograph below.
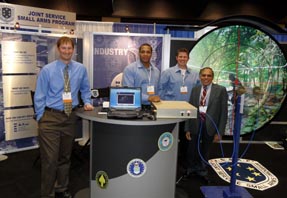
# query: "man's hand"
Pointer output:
{"type": "Point", "coordinates": [88, 107]}
{"type": "Point", "coordinates": [188, 135]}
{"type": "Point", "coordinates": [153, 98]}
{"type": "Point", "coordinates": [216, 138]}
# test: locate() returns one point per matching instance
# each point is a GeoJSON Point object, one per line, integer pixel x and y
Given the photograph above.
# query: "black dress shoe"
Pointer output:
{"type": "Point", "coordinates": [206, 180]}
{"type": "Point", "coordinates": [202, 172]}
{"type": "Point", "coordinates": [187, 175]}
{"type": "Point", "coordinates": [65, 194]}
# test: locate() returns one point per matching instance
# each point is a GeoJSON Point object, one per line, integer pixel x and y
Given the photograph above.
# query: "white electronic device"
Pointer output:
{"type": "Point", "coordinates": [174, 109]}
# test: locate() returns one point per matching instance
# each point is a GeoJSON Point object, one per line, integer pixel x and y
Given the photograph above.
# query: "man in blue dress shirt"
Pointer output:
{"type": "Point", "coordinates": [177, 82]}
{"type": "Point", "coordinates": [56, 127]}
{"type": "Point", "coordinates": [142, 73]}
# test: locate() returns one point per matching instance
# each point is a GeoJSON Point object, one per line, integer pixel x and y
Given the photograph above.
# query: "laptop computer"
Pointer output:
{"type": "Point", "coordinates": [125, 103]}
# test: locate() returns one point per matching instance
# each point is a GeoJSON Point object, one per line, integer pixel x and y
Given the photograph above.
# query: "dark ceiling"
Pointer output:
{"type": "Point", "coordinates": [192, 12]}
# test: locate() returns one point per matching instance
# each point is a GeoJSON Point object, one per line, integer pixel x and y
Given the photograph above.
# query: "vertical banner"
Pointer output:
{"type": "Point", "coordinates": [113, 52]}
{"type": "Point", "coordinates": [19, 78]}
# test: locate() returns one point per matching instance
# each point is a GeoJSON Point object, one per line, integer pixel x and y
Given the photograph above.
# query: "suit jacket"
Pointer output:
{"type": "Point", "coordinates": [216, 110]}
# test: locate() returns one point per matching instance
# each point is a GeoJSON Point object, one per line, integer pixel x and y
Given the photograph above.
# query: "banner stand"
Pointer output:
{"type": "Point", "coordinates": [232, 191]}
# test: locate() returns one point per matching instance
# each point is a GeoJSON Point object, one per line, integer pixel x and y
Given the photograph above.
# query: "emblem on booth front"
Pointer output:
{"type": "Point", "coordinates": [6, 13]}
{"type": "Point", "coordinates": [136, 168]}
{"type": "Point", "coordinates": [102, 179]}
{"type": "Point", "coordinates": [165, 141]}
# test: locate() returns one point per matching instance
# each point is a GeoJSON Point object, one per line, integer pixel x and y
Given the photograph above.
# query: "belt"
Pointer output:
{"type": "Point", "coordinates": [56, 110]}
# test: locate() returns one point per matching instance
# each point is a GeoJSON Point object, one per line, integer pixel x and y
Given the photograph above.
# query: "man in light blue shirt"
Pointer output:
{"type": "Point", "coordinates": [50, 94]}
{"type": "Point", "coordinates": [177, 82]}
{"type": "Point", "coordinates": [58, 86]}
{"type": "Point", "coordinates": [142, 73]}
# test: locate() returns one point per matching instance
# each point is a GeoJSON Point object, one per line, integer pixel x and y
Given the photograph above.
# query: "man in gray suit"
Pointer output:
{"type": "Point", "coordinates": [211, 101]}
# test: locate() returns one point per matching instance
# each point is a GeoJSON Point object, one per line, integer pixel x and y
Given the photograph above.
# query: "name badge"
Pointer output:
{"type": "Point", "coordinates": [183, 89]}
{"type": "Point", "coordinates": [202, 109]}
{"type": "Point", "coordinates": [67, 97]}
{"type": "Point", "coordinates": [150, 89]}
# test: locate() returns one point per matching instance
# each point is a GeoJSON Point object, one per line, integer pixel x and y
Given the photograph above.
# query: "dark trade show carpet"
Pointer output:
{"type": "Point", "coordinates": [20, 173]}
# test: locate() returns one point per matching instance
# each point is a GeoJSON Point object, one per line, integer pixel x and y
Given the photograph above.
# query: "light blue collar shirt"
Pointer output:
{"type": "Point", "coordinates": [136, 75]}
{"type": "Point", "coordinates": [171, 81]}
{"type": "Point", "coordinates": [50, 86]}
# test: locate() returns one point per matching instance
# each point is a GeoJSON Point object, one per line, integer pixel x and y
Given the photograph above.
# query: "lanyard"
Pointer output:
{"type": "Point", "coordinates": [183, 77]}
{"type": "Point", "coordinates": [183, 72]}
{"type": "Point", "coordinates": [149, 74]}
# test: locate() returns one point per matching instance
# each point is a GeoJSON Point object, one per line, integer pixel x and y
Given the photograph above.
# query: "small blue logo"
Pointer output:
{"type": "Point", "coordinates": [165, 141]}
{"type": "Point", "coordinates": [136, 168]}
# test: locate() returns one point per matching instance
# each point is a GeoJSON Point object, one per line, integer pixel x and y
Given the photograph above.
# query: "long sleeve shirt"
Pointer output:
{"type": "Point", "coordinates": [136, 75]}
{"type": "Point", "coordinates": [172, 80]}
{"type": "Point", "coordinates": [50, 86]}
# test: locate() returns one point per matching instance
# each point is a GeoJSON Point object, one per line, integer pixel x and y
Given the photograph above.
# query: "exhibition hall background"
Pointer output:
{"type": "Point", "coordinates": [102, 48]}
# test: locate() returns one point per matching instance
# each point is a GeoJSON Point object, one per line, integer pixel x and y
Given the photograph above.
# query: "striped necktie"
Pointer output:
{"type": "Point", "coordinates": [203, 96]}
{"type": "Point", "coordinates": [67, 88]}
{"type": "Point", "coordinates": [203, 102]}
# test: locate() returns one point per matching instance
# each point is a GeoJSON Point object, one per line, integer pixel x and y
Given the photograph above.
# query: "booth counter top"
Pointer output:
{"type": "Point", "coordinates": [102, 117]}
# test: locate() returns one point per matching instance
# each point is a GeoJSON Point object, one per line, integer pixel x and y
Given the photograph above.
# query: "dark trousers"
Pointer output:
{"type": "Point", "coordinates": [198, 150]}
{"type": "Point", "coordinates": [56, 137]}
{"type": "Point", "coordinates": [183, 142]}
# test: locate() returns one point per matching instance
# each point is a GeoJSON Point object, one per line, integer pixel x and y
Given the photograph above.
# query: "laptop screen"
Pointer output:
{"type": "Point", "coordinates": [125, 98]}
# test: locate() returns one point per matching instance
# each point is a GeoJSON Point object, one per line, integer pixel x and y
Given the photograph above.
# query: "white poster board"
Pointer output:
{"type": "Point", "coordinates": [18, 57]}
{"type": "Point", "coordinates": [19, 123]}
{"type": "Point", "coordinates": [19, 78]}
{"type": "Point", "coordinates": [17, 90]}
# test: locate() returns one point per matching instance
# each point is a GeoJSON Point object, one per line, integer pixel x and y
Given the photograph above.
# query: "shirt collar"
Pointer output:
{"type": "Point", "coordinates": [140, 65]}
{"type": "Point", "coordinates": [63, 65]}
{"type": "Point", "coordinates": [207, 87]}
{"type": "Point", "coordinates": [177, 69]}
